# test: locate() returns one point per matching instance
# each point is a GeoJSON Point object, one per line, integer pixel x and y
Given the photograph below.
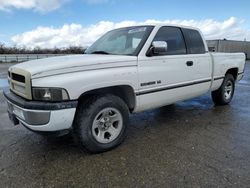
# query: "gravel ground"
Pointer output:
{"type": "Point", "coordinates": [188, 144]}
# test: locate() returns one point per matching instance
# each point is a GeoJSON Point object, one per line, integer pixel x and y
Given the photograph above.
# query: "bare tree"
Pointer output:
{"type": "Point", "coordinates": [22, 50]}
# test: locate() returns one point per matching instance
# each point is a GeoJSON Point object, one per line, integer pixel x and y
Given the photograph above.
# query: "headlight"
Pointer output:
{"type": "Point", "coordinates": [50, 94]}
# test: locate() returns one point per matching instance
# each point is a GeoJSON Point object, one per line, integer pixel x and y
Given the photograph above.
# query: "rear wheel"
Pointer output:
{"type": "Point", "coordinates": [101, 123]}
{"type": "Point", "coordinates": [224, 94]}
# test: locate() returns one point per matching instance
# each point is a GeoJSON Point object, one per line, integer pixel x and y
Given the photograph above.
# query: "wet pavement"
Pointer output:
{"type": "Point", "coordinates": [188, 144]}
{"type": "Point", "coordinates": [3, 83]}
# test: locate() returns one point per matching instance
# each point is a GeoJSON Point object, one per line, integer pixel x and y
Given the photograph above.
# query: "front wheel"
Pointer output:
{"type": "Point", "coordinates": [224, 94]}
{"type": "Point", "coordinates": [101, 123]}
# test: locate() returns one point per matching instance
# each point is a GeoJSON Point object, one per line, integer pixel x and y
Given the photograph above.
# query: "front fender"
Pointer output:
{"type": "Point", "coordinates": [78, 83]}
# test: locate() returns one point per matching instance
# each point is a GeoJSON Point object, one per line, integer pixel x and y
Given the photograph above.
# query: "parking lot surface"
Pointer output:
{"type": "Point", "coordinates": [188, 144]}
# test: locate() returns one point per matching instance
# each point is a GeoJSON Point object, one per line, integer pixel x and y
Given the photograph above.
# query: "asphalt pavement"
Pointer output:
{"type": "Point", "coordinates": [188, 144]}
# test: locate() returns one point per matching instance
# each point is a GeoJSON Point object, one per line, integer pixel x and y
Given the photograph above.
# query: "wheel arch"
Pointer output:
{"type": "Point", "coordinates": [125, 92]}
{"type": "Point", "coordinates": [233, 72]}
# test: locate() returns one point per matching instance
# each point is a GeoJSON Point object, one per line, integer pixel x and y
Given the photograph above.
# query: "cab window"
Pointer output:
{"type": "Point", "coordinates": [174, 38]}
{"type": "Point", "coordinates": [195, 44]}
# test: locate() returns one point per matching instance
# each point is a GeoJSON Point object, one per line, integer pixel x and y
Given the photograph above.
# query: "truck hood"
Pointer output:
{"type": "Point", "coordinates": [71, 63]}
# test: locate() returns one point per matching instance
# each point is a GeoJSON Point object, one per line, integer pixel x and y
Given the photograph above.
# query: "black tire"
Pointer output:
{"type": "Point", "coordinates": [219, 96]}
{"type": "Point", "coordinates": [86, 115]}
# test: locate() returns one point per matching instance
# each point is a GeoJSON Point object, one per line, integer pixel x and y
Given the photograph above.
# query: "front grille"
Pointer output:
{"type": "Point", "coordinates": [19, 81]}
{"type": "Point", "coordinates": [19, 78]}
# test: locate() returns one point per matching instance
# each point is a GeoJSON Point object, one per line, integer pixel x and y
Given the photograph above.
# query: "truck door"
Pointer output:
{"type": "Point", "coordinates": [174, 75]}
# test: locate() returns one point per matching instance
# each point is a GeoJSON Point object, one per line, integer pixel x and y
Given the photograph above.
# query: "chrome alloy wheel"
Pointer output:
{"type": "Point", "coordinates": [228, 90]}
{"type": "Point", "coordinates": [107, 125]}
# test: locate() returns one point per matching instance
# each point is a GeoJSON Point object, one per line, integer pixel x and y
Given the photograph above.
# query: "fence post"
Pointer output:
{"type": "Point", "coordinates": [17, 59]}
{"type": "Point", "coordinates": [5, 59]}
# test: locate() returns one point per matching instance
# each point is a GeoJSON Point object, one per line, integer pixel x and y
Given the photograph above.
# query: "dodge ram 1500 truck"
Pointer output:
{"type": "Point", "coordinates": [127, 70]}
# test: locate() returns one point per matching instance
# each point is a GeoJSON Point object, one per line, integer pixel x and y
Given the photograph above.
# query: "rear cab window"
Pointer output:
{"type": "Point", "coordinates": [194, 41]}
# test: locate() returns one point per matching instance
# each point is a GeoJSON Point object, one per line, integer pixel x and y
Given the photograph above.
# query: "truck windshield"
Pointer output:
{"type": "Point", "coordinates": [125, 41]}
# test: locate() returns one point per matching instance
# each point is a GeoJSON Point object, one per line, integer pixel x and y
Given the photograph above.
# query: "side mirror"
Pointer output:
{"type": "Point", "coordinates": [159, 47]}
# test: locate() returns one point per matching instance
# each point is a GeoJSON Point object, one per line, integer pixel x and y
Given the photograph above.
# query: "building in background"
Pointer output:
{"type": "Point", "coordinates": [229, 46]}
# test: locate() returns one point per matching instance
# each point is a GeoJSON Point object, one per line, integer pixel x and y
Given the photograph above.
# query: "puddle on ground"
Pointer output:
{"type": "Point", "coordinates": [245, 82]}
{"type": "Point", "coordinates": [3, 83]}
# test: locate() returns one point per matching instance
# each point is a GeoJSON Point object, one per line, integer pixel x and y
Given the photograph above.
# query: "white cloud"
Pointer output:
{"type": "Point", "coordinates": [76, 34]}
{"type": "Point", "coordinates": [36, 5]}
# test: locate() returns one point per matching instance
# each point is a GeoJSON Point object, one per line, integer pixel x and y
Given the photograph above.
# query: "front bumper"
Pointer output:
{"type": "Point", "coordinates": [40, 116]}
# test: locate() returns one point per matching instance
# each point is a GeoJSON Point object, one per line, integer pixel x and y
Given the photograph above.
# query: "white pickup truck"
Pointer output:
{"type": "Point", "coordinates": [127, 70]}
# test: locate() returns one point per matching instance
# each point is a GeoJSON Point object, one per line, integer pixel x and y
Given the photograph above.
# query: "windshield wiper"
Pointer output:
{"type": "Point", "coordinates": [99, 52]}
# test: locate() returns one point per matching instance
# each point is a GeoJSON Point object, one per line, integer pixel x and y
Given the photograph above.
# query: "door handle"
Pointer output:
{"type": "Point", "coordinates": [190, 63]}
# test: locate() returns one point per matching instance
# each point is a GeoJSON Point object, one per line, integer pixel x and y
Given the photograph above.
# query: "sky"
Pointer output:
{"type": "Point", "coordinates": [63, 23]}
